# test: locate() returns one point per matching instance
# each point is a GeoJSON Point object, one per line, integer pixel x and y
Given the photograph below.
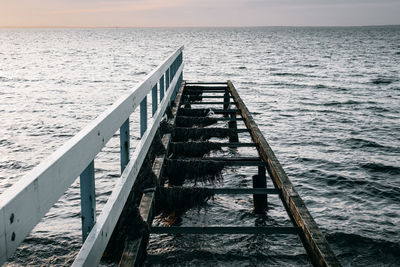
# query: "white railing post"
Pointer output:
{"type": "Point", "coordinates": [124, 137]}
{"type": "Point", "coordinates": [154, 103]}
{"type": "Point", "coordinates": [167, 79]}
{"type": "Point", "coordinates": [88, 200]}
{"type": "Point", "coordinates": [143, 116]}
{"type": "Point", "coordinates": [162, 88]}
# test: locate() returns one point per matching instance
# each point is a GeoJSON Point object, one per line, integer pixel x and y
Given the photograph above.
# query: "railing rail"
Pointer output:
{"type": "Point", "coordinates": [25, 203]}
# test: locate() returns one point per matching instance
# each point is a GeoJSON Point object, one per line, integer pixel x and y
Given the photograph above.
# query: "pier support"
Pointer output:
{"type": "Point", "coordinates": [124, 136]}
{"type": "Point", "coordinates": [143, 116]}
{"type": "Point", "coordinates": [162, 88]}
{"type": "Point", "coordinates": [154, 100]}
{"type": "Point", "coordinates": [88, 200]}
{"type": "Point", "coordinates": [233, 125]}
{"type": "Point", "coordinates": [260, 181]}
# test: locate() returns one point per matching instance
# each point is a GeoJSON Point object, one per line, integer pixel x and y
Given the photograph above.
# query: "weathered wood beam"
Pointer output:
{"type": "Point", "coordinates": [218, 119]}
{"type": "Point", "coordinates": [318, 249]}
{"type": "Point", "coordinates": [207, 103]}
{"type": "Point", "coordinates": [223, 230]}
{"type": "Point", "coordinates": [202, 83]}
{"type": "Point", "coordinates": [240, 191]}
{"type": "Point", "coordinates": [224, 144]}
{"type": "Point", "coordinates": [209, 96]}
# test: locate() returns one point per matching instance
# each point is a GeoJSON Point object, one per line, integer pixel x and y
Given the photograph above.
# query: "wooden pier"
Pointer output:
{"type": "Point", "coordinates": [191, 109]}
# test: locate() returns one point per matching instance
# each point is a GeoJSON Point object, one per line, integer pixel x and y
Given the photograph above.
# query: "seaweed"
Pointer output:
{"type": "Point", "coordinates": [204, 171]}
{"type": "Point", "coordinates": [184, 121]}
{"type": "Point", "coordinates": [145, 179]}
{"type": "Point", "coordinates": [199, 112]}
{"type": "Point", "coordinates": [130, 226]}
{"type": "Point", "coordinates": [165, 127]}
{"type": "Point", "coordinates": [193, 149]}
{"type": "Point", "coordinates": [185, 134]}
{"type": "Point", "coordinates": [176, 201]}
{"type": "Point", "coordinates": [192, 96]}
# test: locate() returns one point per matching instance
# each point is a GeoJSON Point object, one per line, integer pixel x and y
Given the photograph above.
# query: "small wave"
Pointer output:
{"type": "Point", "coordinates": [46, 252]}
{"type": "Point", "coordinates": [361, 143]}
{"type": "Point", "coordinates": [381, 168]}
{"type": "Point", "coordinates": [397, 53]}
{"type": "Point", "coordinates": [242, 68]}
{"type": "Point", "coordinates": [336, 103]}
{"type": "Point", "coordinates": [340, 181]}
{"type": "Point", "coordinates": [382, 80]}
{"type": "Point", "coordinates": [14, 165]}
{"type": "Point", "coordinates": [5, 143]}
{"type": "Point", "coordinates": [310, 65]}
{"type": "Point", "coordinates": [360, 250]}
{"type": "Point", "coordinates": [378, 109]}
{"type": "Point", "coordinates": [290, 74]}
{"type": "Point", "coordinates": [63, 135]}
{"type": "Point", "coordinates": [320, 86]}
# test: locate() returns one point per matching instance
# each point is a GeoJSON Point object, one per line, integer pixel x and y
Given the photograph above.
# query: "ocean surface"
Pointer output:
{"type": "Point", "coordinates": [326, 99]}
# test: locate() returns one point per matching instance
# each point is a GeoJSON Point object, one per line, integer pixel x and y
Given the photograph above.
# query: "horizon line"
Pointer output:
{"type": "Point", "coordinates": [220, 26]}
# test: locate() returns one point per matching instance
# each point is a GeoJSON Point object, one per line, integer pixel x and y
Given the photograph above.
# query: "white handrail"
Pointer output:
{"type": "Point", "coordinates": [25, 203]}
{"type": "Point", "coordinates": [92, 250]}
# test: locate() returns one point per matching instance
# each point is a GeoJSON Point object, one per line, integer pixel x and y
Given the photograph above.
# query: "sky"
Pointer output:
{"type": "Point", "coordinates": [189, 13]}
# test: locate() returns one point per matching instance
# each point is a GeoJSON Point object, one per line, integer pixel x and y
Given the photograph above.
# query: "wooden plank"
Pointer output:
{"type": "Point", "coordinates": [205, 89]}
{"type": "Point", "coordinates": [207, 103]}
{"type": "Point", "coordinates": [245, 130]}
{"type": "Point", "coordinates": [129, 256]}
{"type": "Point", "coordinates": [93, 248]}
{"type": "Point", "coordinates": [239, 161]}
{"type": "Point", "coordinates": [244, 191]}
{"type": "Point", "coordinates": [223, 230]}
{"type": "Point", "coordinates": [133, 248]}
{"type": "Point", "coordinates": [317, 247]}
{"type": "Point", "coordinates": [231, 159]}
{"type": "Point", "coordinates": [218, 110]}
{"type": "Point", "coordinates": [213, 92]}
{"type": "Point", "coordinates": [34, 194]}
{"type": "Point", "coordinates": [224, 144]}
{"type": "Point", "coordinates": [204, 83]}
{"type": "Point", "coordinates": [216, 118]}
{"type": "Point", "coordinates": [210, 96]}
{"type": "Point", "coordinates": [223, 111]}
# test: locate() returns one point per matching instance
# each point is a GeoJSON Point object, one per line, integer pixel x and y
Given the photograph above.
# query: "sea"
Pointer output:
{"type": "Point", "coordinates": [327, 99]}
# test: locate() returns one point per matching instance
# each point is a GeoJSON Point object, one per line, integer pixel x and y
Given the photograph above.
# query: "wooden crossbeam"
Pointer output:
{"type": "Point", "coordinates": [223, 230]}
{"type": "Point", "coordinates": [217, 119]}
{"type": "Point", "coordinates": [240, 191]}
{"type": "Point", "coordinates": [188, 84]}
{"type": "Point", "coordinates": [209, 96]}
{"type": "Point", "coordinates": [223, 111]}
{"type": "Point", "coordinates": [224, 144]}
{"type": "Point", "coordinates": [237, 161]}
{"type": "Point", "coordinates": [207, 103]}
{"type": "Point", "coordinates": [234, 130]}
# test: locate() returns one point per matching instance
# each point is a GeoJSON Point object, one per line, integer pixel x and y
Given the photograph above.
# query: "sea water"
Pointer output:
{"type": "Point", "coordinates": [326, 99]}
